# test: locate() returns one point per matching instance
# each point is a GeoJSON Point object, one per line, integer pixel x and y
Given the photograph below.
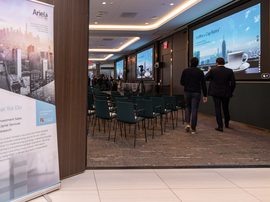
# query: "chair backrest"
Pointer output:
{"type": "Point", "coordinates": [120, 99]}
{"type": "Point", "coordinates": [95, 91]}
{"type": "Point", "coordinates": [102, 109]}
{"type": "Point", "coordinates": [159, 94]}
{"type": "Point", "coordinates": [171, 101]}
{"type": "Point", "coordinates": [90, 101]}
{"type": "Point", "coordinates": [158, 101]}
{"type": "Point", "coordinates": [101, 97]}
{"type": "Point", "coordinates": [147, 105]}
{"type": "Point", "coordinates": [125, 112]}
{"type": "Point", "coordinates": [135, 98]}
{"type": "Point", "coordinates": [180, 100]}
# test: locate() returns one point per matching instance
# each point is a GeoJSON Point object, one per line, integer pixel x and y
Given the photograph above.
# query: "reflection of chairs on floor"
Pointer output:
{"type": "Point", "coordinates": [102, 112]}
{"type": "Point", "coordinates": [125, 114]}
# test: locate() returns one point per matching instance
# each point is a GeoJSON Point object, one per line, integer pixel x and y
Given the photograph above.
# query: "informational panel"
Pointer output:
{"type": "Point", "coordinates": [28, 138]}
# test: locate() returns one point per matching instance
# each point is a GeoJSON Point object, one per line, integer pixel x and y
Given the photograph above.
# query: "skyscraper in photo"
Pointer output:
{"type": "Point", "coordinates": [224, 52]}
{"type": "Point", "coordinates": [19, 62]}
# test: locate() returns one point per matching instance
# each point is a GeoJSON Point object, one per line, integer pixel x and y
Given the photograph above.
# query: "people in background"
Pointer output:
{"type": "Point", "coordinates": [110, 83]}
{"type": "Point", "coordinates": [193, 81]}
{"type": "Point", "coordinates": [99, 81]}
{"type": "Point", "coordinates": [119, 83]}
{"type": "Point", "coordinates": [221, 87]}
{"type": "Point", "coordinates": [94, 81]}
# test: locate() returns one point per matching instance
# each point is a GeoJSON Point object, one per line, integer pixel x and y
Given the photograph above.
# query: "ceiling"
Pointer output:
{"type": "Point", "coordinates": [117, 27]}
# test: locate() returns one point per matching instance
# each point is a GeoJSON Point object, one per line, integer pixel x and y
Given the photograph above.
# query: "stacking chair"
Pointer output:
{"type": "Point", "coordinates": [149, 114]}
{"type": "Point", "coordinates": [159, 94]}
{"type": "Point", "coordinates": [90, 107]}
{"type": "Point", "coordinates": [159, 101]}
{"type": "Point", "coordinates": [180, 102]}
{"type": "Point", "coordinates": [125, 114]}
{"type": "Point", "coordinates": [102, 112]}
{"type": "Point", "coordinates": [171, 102]}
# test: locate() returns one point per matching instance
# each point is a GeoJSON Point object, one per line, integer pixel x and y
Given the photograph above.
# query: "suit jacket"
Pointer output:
{"type": "Point", "coordinates": [222, 82]}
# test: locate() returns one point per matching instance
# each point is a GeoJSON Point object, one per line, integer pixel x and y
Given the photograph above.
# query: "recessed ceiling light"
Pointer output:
{"type": "Point", "coordinates": [96, 22]}
{"type": "Point", "coordinates": [104, 2]}
{"type": "Point", "coordinates": [101, 59]}
{"type": "Point", "coordinates": [155, 17]}
{"type": "Point", "coordinates": [171, 4]}
{"type": "Point", "coordinates": [111, 3]}
{"type": "Point", "coordinates": [146, 23]}
{"type": "Point", "coordinates": [164, 19]}
{"type": "Point", "coordinates": [117, 49]}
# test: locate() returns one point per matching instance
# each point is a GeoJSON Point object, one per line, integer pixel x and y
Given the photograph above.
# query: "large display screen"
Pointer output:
{"type": "Point", "coordinates": [237, 38]}
{"type": "Point", "coordinates": [120, 69]}
{"type": "Point", "coordinates": [145, 64]}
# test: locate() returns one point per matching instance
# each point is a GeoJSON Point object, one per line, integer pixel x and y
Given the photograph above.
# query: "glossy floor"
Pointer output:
{"type": "Point", "coordinates": [168, 185]}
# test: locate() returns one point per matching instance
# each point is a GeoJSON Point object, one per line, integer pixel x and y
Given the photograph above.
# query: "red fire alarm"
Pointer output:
{"type": "Point", "coordinates": [89, 62]}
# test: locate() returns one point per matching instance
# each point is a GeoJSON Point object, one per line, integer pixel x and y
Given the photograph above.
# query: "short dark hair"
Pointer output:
{"type": "Point", "coordinates": [220, 61]}
{"type": "Point", "coordinates": [194, 62]}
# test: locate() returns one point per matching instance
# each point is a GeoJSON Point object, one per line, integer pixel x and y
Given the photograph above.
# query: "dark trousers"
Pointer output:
{"type": "Point", "coordinates": [225, 105]}
{"type": "Point", "coordinates": [192, 105]}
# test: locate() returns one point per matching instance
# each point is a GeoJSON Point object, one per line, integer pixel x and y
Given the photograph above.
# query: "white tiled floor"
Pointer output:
{"type": "Point", "coordinates": [169, 185]}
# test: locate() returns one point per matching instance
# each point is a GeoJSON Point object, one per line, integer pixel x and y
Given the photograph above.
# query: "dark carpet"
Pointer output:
{"type": "Point", "coordinates": [239, 146]}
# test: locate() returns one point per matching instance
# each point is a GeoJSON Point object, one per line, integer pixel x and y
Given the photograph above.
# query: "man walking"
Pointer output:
{"type": "Point", "coordinates": [221, 87]}
{"type": "Point", "coordinates": [193, 81]}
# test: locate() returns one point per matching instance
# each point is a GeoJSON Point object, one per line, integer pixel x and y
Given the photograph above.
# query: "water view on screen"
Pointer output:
{"type": "Point", "coordinates": [236, 38]}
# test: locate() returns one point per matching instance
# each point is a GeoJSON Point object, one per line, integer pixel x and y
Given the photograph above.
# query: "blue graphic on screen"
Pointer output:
{"type": "Point", "coordinates": [145, 58]}
{"type": "Point", "coordinates": [120, 68]}
{"type": "Point", "coordinates": [236, 38]}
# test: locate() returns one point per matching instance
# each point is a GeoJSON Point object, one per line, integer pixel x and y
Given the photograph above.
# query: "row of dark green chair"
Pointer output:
{"type": "Point", "coordinates": [157, 104]}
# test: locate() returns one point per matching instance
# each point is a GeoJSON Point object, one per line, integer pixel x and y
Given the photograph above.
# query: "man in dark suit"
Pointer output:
{"type": "Point", "coordinates": [221, 87]}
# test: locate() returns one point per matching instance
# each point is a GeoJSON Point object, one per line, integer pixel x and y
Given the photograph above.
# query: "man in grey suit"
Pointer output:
{"type": "Point", "coordinates": [221, 87]}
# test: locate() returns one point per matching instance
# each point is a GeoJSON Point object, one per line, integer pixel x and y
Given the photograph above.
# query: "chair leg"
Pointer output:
{"type": "Point", "coordinates": [121, 128]}
{"type": "Point", "coordinates": [165, 123]}
{"type": "Point", "coordinates": [153, 130]}
{"type": "Point", "coordinates": [172, 120]}
{"type": "Point", "coordinates": [176, 117]}
{"type": "Point", "coordinates": [129, 129]}
{"type": "Point", "coordinates": [145, 132]}
{"type": "Point", "coordinates": [98, 126]}
{"type": "Point", "coordinates": [110, 123]}
{"type": "Point", "coordinates": [183, 116]}
{"type": "Point", "coordinates": [94, 125]}
{"type": "Point", "coordinates": [161, 124]}
{"type": "Point", "coordinates": [125, 130]}
{"type": "Point", "coordinates": [115, 130]}
{"type": "Point", "coordinates": [104, 121]}
{"type": "Point", "coordinates": [135, 135]}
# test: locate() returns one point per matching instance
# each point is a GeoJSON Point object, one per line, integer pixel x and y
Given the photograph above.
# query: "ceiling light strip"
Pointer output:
{"type": "Point", "coordinates": [162, 21]}
{"type": "Point", "coordinates": [115, 50]}
{"type": "Point", "coordinates": [101, 59]}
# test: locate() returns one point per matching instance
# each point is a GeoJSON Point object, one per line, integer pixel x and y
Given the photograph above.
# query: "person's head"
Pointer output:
{"type": "Point", "coordinates": [220, 61]}
{"type": "Point", "coordinates": [194, 62]}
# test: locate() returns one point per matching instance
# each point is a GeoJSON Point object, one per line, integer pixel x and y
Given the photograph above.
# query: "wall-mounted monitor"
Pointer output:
{"type": "Point", "coordinates": [237, 35]}
{"type": "Point", "coordinates": [120, 69]}
{"type": "Point", "coordinates": [145, 61]}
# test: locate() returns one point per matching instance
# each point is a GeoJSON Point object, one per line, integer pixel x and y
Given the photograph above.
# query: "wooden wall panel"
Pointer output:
{"type": "Point", "coordinates": [70, 40]}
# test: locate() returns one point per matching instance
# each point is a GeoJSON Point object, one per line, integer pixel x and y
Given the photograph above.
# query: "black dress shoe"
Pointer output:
{"type": "Point", "coordinates": [226, 125]}
{"type": "Point", "coordinates": [219, 129]}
